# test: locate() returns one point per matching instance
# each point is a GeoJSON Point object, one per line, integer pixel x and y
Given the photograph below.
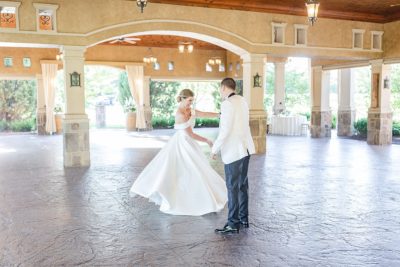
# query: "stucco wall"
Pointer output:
{"type": "Point", "coordinates": [185, 65]}
{"type": "Point", "coordinates": [17, 54]}
{"type": "Point", "coordinates": [391, 40]}
{"type": "Point", "coordinates": [247, 31]}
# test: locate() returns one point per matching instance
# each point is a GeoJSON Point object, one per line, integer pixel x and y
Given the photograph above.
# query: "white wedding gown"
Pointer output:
{"type": "Point", "coordinates": [180, 179]}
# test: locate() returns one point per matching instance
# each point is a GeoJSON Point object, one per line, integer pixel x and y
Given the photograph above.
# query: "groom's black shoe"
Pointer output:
{"type": "Point", "coordinates": [227, 230]}
{"type": "Point", "coordinates": [244, 224]}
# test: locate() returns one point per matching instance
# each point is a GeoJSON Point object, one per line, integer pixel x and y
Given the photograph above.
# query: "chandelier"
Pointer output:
{"type": "Point", "coordinates": [312, 10]}
{"type": "Point", "coordinates": [215, 61]}
{"type": "Point", "coordinates": [142, 4]}
{"type": "Point", "coordinates": [150, 58]}
{"type": "Point", "coordinates": [185, 46]}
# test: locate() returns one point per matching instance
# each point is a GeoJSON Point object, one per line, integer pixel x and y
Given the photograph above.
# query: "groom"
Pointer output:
{"type": "Point", "coordinates": [236, 144]}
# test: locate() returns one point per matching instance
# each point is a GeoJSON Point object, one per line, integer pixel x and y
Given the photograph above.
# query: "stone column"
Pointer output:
{"type": "Point", "coordinates": [146, 100]}
{"type": "Point", "coordinates": [253, 64]}
{"type": "Point", "coordinates": [380, 112]}
{"type": "Point", "coordinates": [40, 106]}
{"type": "Point", "coordinates": [346, 111]}
{"type": "Point", "coordinates": [76, 122]}
{"type": "Point", "coordinates": [321, 115]}
{"type": "Point", "coordinates": [280, 91]}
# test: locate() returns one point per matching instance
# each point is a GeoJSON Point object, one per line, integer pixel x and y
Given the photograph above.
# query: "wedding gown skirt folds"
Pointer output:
{"type": "Point", "coordinates": [180, 178]}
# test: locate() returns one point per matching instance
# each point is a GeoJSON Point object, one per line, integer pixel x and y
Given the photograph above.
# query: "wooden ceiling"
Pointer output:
{"type": "Point", "coordinates": [380, 11]}
{"type": "Point", "coordinates": [165, 41]}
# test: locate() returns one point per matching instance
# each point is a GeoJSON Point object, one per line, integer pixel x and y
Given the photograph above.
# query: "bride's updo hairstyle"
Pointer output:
{"type": "Point", "coordinates": [185, 93]}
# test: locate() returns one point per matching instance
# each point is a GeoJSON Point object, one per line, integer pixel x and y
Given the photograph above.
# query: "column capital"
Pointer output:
{"type": "Point", "coordinates": [376, 62]}
{"type": "Point", "coordinates": [316, 68]}
{"type": "Point", "coordinates": [73, 51]}
{"type": "Point", "coordinates": [256, 58]}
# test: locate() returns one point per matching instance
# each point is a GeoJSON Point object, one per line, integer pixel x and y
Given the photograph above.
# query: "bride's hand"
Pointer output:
{"type": "Point", "coordinates": [209, 142]}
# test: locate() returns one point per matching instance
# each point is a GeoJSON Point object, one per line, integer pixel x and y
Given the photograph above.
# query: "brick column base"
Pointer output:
{"type": "Point", "coordinates": [321, 124]}
{"type": "Point", "coordinates": [379, 128]}
{"type": "Point", "coordinates": [345, 122]}
{"type": "Point", "coordinates": [76, 142]}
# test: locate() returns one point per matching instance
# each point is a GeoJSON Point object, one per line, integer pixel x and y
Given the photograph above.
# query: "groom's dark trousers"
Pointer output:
{"type": "Point", "coordinates": [237, 185]}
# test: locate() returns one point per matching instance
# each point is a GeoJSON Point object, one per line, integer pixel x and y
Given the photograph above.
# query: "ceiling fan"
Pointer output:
{"type": "Point", "coordinates": [129, 40]}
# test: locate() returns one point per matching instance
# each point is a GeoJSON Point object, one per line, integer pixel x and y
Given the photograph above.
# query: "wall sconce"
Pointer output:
{"type": "Point", "coordinates": [257, 80]}
{"type": "Point", "coordinates": [185, 46]}
{"type": "Point", "coordinates": [142, 4]}
{"type": "Point", "coordinates": [75, 79]}
{"type": "Point", "coordinates": [386, 83]}
{"type": "Point", "coordinates": [312, 10]}
{"type": "Point", "coordinates": [60, 57]}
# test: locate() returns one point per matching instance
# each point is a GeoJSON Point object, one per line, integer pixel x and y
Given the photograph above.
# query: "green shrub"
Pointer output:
{"type": "Point", "coordinates": [361, 127]}
{"type": "Point", "coordinates": [396, 128]}
{"type": "Point", "coordinates": [3, 126]}
{"type": "Point", "coordinates": [207, 122]}
{"type": "Point", "coordinates": [22, 126]}
{"type": "Point", "coordinates": [333, 126]}
{"type": "Point", "coordinates": [162, 123]}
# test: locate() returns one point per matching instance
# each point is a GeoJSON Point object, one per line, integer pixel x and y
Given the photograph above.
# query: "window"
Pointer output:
{"type": "Point", "coordinates": [9, 16]}
{"type": "Point", "coordinates": [278, 33]}
{"type": "Point", "coordinates": [46, 17]}
{"type": "Point", "coordinates": [300, 35]}
{"type": "Point", "coordinates": [156, 66]}
{"type": "Point", "coordinates": [171, 65]}
{"type": "Point", "coordinates": [376, 40]}
{"type": "Point", "coordinates": [208, 68]}
{"type": "Point", "coordinates": [221, 67]}
{"type": "Point", "coordinates": [358, 39]}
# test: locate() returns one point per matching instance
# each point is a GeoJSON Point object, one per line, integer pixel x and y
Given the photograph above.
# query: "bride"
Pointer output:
{"type": "Point", "coordinates": [180, 178]}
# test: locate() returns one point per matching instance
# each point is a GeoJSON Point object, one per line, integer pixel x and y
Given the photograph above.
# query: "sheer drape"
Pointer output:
{"type": "Point", "coordinates": [49, 74]}
{"type": "Point", "coordinates": [135, 80]}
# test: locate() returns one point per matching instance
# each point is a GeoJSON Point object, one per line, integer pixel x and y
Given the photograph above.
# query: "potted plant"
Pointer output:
{"type": "Point", "coordinates": [58, 119]}
{"type": "Point", "coordinates": [130, 111]}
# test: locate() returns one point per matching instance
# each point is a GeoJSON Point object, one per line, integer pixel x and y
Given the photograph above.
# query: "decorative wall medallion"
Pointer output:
{"type": "Point", "coordinates": [8, 62]}
{"type": "Point", "coordinates": [26, 61]}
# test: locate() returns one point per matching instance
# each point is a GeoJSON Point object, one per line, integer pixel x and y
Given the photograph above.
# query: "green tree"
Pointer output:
{"type": "Point", "coordinates": [17, 99]}
{"type": "Point", "coordinates": [362, 95]}
{"type": "Point", "coordinates": [124, 94]}
{"type": "Point", "coordinates": [395, 89]}
{"type": "Point", "coordinates": [163, 98]}
{"type": "Point", "coordinates": [100, 81]}
{"type": "Point", "coordinates": [297, 87]}
{"type": "Point", "coordinates": [269, 88]}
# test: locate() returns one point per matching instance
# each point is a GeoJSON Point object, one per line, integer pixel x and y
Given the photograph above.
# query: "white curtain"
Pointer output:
{"type": "Point", "coordinates": [49, 74]}
{"type": "Point", "coordinates": [135, 80]}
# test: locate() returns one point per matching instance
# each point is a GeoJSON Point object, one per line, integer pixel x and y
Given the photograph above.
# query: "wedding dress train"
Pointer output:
{"type": "Point", "coordinates": [180, 178]}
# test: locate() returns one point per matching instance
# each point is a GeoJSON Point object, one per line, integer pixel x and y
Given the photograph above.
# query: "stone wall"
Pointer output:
{"type": "Point", "coordinates": [76, 142]}
{"type": "Point", "coordinates": [321, 124]}
{"type": "Point", "coordinates": [379, 128]}
{"type": "Point", "coordinates": [345, 121]}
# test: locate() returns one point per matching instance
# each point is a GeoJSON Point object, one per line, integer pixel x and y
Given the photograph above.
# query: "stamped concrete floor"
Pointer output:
{"type": "Point", "coordinates": [314, 202]}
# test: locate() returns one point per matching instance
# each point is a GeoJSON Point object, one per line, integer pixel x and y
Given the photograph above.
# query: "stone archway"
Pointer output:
{"type": "Point", "coordinates": [76, 133]}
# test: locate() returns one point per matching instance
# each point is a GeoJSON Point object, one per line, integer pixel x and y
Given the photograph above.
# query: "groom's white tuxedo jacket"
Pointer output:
{"type": "Point", "coordinates": [234, 138]}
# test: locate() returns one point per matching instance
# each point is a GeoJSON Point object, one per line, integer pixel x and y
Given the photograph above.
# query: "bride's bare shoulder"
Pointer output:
{"type": "Point", "coordinates": [179, 117]}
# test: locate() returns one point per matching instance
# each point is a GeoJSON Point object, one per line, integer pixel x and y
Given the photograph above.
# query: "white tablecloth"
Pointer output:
{"type": "Point", "coordinates": [287, 125]}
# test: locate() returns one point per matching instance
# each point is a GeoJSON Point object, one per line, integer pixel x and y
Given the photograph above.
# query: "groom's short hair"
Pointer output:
{"type": "Point", "coordinates": [229, 82]}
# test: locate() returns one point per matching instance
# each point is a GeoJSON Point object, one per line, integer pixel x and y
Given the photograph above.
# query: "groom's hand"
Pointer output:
{"type": "Point", "coordinates": [213, 156]}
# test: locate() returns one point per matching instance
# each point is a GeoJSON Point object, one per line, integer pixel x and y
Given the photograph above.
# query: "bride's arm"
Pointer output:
{"type": "Point", "coordinates": [197, 137]}
{"type": "Point", "coordinates": [201, 114]}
